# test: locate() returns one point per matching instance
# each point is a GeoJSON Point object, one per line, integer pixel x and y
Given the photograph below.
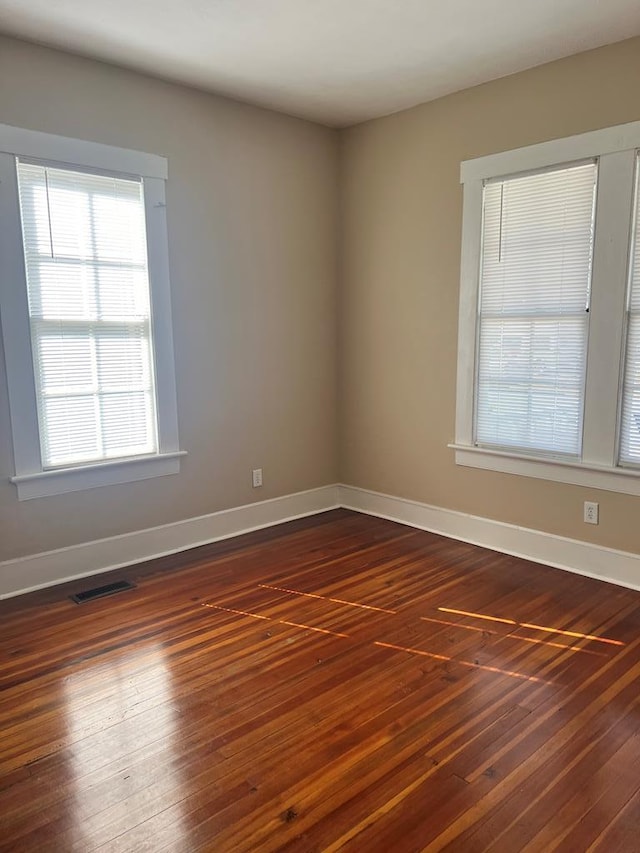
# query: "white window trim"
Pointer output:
{"type": "Point", "coordinates": [615, 147]}
{"type": "Point", "coordinates": [30, 478]}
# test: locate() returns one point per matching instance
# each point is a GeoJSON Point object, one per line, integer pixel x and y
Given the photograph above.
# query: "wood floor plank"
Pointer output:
{"type": "Point", "coordinates": [336, 683]}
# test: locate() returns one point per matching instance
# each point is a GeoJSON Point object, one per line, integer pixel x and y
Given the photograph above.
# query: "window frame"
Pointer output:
{"type": "Point", "coordinates": [615, 150]}
{"type": "Point", "coordinates": [31, 480]}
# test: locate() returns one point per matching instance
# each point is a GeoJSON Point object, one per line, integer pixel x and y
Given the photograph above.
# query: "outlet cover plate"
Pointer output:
{"type": "Point", "coordinates": [590, 512]}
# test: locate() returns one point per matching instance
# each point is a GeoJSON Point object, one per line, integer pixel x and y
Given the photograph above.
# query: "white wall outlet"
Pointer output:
{"type": "Point", "coordinates": [590, 512]}
{"type": "Point", "coordinates": [256, 478]}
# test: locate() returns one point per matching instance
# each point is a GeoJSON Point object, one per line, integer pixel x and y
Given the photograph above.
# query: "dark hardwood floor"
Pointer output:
{"type": "Point", "coordinates": [335, 683]}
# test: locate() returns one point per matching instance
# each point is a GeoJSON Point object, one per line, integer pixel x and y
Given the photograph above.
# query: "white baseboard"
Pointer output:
{"type": "Point", "coordinates": [573, 555]}
{"type": "Point", "coordinates": [36, 571]}
{"type": "Point", "coordinates": [49, 568]}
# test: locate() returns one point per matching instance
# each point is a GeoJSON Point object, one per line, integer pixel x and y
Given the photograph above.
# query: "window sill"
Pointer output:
{"type": "Point", "coordinates": [623, 480]}
{"type": "Point", "coordinates": [56, 482]}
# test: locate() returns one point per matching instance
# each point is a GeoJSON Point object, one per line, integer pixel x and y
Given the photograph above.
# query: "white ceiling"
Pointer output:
{"type": "Point", "coordinates": [334, 61]}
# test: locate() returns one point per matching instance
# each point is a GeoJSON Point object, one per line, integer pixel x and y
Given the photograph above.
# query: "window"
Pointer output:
{"type": "Point", "coordinates": [549, 328]}
{"type": "Point", "coordinates": [85, 313]}
{"type": "Point", "coordinates": [85, 256]}
{"type": "Point", "coordinates": [630, 427]}
{"type": "Point", "coordinates": [537, 242]}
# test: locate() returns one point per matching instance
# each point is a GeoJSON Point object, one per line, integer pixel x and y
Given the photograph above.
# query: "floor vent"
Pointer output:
{"type": "Point", "coordinates": [101, 591]}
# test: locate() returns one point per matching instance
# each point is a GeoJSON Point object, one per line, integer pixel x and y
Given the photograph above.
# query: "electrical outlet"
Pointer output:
{"type": "Point", "coordinates": [590, 512]}
{"type": "Point", "coordinates": [256, 478]}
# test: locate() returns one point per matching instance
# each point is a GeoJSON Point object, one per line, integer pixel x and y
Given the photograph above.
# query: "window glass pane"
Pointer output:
{"type": "Point", "coordinates": [72, 429]}
{"type": "Point", "coordinates": [123, 358]}
{"type": "Point", "coordinates": [630, 421]}
{"type": "Point", "coordinates": [125, 423]}
{"type": "Point", "coordinates": [537, 245]}
{"type": "Point", "coordinates": [64, 360]}
{"type": "Point", "coordinates": [87, 278]}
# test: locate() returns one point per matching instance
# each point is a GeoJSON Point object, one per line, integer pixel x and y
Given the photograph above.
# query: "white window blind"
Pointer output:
{"type": "Point", "coordinates": [537, 246]}
{"type": "Point", "coordinates": [630, 420]}
{"type": "Point", "coordinates": [89, 310]}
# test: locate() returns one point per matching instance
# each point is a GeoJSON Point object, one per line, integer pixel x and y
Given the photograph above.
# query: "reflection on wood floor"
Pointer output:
{"type": "Point", "coordinates": [335, 683]}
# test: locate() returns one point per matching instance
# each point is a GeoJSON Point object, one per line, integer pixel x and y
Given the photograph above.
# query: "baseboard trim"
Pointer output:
{"type": "Point", "coordinates": [582, 558]}
{"type": "Point", "coordinates": [103, 555]}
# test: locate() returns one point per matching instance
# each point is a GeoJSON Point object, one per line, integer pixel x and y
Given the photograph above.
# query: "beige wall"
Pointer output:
{"type": "Point", "coordinates": [402, 205]}
{"type": "Point", "coordinates": [252, 215]}
{"type": "Point", "coordinates": [255, 232]}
